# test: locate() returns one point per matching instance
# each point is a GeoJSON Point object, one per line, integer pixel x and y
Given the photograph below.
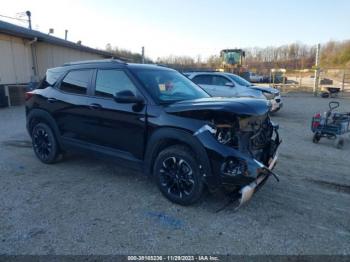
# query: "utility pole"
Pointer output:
{"type": "Point", "coordinates": [343, 82]}
{"type": "Point", "coordinates": [29, 14]}
{"type": "Point", "coordinates": [143, 55]}
{"type": "Point", "coordinates": [34, 78]}
{"type": "Point", "coordinates": [65, 34]}
{"type": "Point", "coordinates": [317, 70]}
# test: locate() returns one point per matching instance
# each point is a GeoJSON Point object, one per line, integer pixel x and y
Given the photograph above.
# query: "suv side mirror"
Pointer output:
{"type": "Point", "coordinates": [127, 97]}
{"type": "Point", "coordinates": [230, 84]}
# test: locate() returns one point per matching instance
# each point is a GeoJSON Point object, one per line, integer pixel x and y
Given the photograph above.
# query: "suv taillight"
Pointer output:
{"type": "Point", "coordinates": [28, 95]}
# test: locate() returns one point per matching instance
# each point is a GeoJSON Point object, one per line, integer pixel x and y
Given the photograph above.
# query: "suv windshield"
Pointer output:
{"type": "Point", "coordinates": [169, 86]}
{"type": "Point", "coordinates": [241, 81]}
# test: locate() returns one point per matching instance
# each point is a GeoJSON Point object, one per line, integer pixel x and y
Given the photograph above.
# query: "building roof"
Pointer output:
{"type": "Point", "coordinates": [19, 31]}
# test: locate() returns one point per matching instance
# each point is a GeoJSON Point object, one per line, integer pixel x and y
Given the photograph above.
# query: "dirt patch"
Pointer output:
{"type": "Point", "coordinates": [18, 143]}
{"type": "Point", "coordinates": [331, 185]}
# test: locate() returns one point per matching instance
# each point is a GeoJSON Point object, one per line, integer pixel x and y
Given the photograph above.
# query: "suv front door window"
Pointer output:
{"type": "Point", "coordinates": [205, 82]}
{"type": "Point", "coordinates": [109, 82]}
{"type": "Point", "coordinates": [220, 81]}
{"type": "Point", "coordinates": [113, 124]}
{"type": "Point", "coordinates": [215, 85]}
{"type": "Point", "coordinates": [221, 87]}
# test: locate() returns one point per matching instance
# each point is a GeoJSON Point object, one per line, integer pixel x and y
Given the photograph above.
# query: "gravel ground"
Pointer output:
{"type": "Point", "coordinates": [91, 206]}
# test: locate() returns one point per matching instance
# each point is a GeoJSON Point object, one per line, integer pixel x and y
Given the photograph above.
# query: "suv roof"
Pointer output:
{"type": "Point", "coordinates": [208, 73]}
{"type": "Point", "coordinates": [110, 63]}
{"type": "Point", "coordinates": [94, 62]}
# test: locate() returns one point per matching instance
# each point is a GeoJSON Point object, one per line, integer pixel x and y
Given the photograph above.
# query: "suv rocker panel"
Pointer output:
{"type": "Point", "coordinates": [118, 155]}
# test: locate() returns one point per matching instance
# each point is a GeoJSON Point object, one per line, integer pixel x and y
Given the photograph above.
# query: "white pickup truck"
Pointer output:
{"type": "Point", "coordinates": [255, 78]}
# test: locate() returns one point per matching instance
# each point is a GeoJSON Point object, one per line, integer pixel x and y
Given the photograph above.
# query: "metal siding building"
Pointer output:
{"type": "Point", "coordinates": [49, 55]}
{"type": "Point", "coordinates": [15, 60]}
{"type": "Point", "coordinates": [26, 54]}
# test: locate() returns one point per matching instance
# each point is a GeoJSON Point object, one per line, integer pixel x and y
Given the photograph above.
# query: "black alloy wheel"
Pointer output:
{"type": "Point", "coordinates": [177, 177]}
{"type": "Point", "coordinates": [44, 143]}
{"type": "Point", "coordinates": [177, 174]}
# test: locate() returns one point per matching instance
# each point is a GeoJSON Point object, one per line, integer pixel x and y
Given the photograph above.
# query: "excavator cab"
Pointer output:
{"type": "Point", "coordinates": [232, 60]}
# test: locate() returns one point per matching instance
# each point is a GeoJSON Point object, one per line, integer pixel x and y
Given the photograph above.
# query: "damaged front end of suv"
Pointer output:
{"type": "Point", "coordinates": [240, 140]}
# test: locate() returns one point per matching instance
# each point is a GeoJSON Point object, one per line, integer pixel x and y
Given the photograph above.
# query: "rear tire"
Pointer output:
{"type": "Point", "coordinates": [178, 176]}
{"type": "Point", "coordinates": [44, 143]}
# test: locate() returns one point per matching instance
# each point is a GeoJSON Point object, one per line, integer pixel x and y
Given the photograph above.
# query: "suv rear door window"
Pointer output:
{"type": "Point", "coordinates": [109, 82]}
{"type": "Point", "coordinates": [76, 82]}
{"type": "Point", "coordinates": [220, 80]}
{"type": "Point", "coordinates": [203, 80]}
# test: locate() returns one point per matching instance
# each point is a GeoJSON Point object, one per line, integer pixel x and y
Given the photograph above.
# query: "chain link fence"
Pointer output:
{"type": "Point", "coordinates": [304, 81]}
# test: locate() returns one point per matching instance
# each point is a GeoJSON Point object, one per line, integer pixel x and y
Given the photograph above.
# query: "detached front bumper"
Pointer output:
{"type": "Point", "coordinates": [255, 174]}
{"type": "Point", "coordinates": [248, 191]}
{"type": "Point", "coordinates": [276, 103]}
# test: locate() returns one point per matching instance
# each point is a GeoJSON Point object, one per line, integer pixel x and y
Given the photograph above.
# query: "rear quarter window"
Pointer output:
{"type": "Point", "coordinates": [76, 81]}
{"type": "Point", "coordinates": [50, 78]}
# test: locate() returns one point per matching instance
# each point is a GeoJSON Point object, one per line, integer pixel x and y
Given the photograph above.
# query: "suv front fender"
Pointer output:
{"type": "Point", "coordinates": [165, 137]}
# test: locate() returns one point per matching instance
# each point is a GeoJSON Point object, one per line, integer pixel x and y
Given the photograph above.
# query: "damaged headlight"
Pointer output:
{"type": "Point", "coordinates": [234, 167]}
{"type": "Point", "coordinates": [224, 133]}
{"type": "Point", "coordinates": [269, 96]}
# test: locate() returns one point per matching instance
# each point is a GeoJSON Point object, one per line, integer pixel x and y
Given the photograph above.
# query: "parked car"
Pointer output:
{"type": "Point", "coordinates": [278, 79]}
{"type": "Point", "coordinates": [154, 119]}
{"type": "Point", "coordinates": [231, 85]}
{"type": "Point", "coordinates": [326, 81]}
{"type": "Point", "coordinates": [255, 78]}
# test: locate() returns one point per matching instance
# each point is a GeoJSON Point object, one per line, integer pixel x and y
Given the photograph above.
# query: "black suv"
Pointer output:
{"type": "Point", "coordinates": [154, 118]}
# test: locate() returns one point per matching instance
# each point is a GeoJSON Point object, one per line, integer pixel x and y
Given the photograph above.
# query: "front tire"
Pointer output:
{"type": "Point", "coordinates": [178, 176]}
{"type": "Point", "coordinates": [316, 138]}
{"type": "Point", "coordinates": [44, 143]}
{"type": "Point", "coordinates": [339, 142]}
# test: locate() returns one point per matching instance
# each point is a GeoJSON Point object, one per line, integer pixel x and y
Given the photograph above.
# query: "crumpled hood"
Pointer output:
{"type": "Point", "coordinates": [239, 106]}
{"type": "Point", "coordinates": [268, 89]}
{"type": "Point", "coordinates": [251, 92]}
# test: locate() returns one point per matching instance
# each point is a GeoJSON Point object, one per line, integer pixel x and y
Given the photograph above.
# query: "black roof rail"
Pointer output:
{"type": "Point", "coordinates": [118, 61]}
{"type": "Point", "coordinates": [162, 65]}
{"type": "Point", "coordinates": [202, 71]}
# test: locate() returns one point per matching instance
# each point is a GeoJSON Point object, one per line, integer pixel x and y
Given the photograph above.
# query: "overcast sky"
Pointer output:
{"type": "Point", "coordinates": [192, 27]}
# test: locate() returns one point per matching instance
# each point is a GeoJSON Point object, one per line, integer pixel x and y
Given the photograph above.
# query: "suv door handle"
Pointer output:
{"type": "Point", "coordinates": [95, 106]}
{"type": "Point", "coordinates": [51, 100]}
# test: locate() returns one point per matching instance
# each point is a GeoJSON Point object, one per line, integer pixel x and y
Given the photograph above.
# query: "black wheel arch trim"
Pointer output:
{"type": "Point", "coordinates": [154, 146]}
{"type": "Point", "coordinates": [46, 116]}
